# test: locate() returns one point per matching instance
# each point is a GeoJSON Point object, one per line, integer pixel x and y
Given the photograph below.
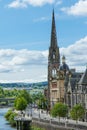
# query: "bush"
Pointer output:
{"type": "Point", "coordinates": [10, 117]}
{"type": "Point", "coordinates": [7, 115]}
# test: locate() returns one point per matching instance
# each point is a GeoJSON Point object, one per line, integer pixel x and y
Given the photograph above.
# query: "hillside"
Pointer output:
{"type": "Point", "coordinates": [24, 85]}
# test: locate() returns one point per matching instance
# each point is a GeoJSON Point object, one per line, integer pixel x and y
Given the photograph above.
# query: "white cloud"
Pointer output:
{"type": "Point", "coordinates": [76, 54]}
{"type": "Point", "coordinates": [59, 2]}
{"type": "Point", "coordinates": [41, 19]}
{"type": "Point", "coordinates": [17, 4]}
{"type": "Point", "coordinates": [13, 59]}
{"type": "Point", "coordinates": [78, 9]}
{"type": "Point", "coordinates": [31, 66]}
{"type": "Point", "coordinates": [25, 3]}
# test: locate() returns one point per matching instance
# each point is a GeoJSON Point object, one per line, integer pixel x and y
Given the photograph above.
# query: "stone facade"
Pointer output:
{"type": "Point", "coordinates": [55, 77]}
{"type": "Point", "coordinates": [56, 73]}
{"type": "Point", "coordinates": [64, 84]}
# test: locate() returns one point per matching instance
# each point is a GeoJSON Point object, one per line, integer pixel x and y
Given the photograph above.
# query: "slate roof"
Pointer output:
{"type": "Point", "coordinates": [73, 83]}
{"type": "Point", "coordinates": [73, 80]}
{"type": "Point", "coordinates": [83, 80]}
{"type": "Point", "coordinates": [64, 67]}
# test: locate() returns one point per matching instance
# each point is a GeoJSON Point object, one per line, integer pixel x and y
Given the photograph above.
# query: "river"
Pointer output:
{"type": "Point", "coordinates": [3, 123]}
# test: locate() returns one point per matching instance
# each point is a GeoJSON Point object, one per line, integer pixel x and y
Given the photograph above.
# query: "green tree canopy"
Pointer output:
{"type": "Point", "coordinates": [42, 103]}
{"type": "Point", "coordinates": [77, 112]}
{"type": "Point", "coordinates": [59, 109]}
{"type": "Point", "coordinates": [26, 95]}
{"type": "Point", "coordinates": [20, 103]}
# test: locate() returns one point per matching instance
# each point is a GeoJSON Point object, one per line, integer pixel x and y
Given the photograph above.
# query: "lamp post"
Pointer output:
{"type": "Point", "coordinates": [39, 114]}
{"type": "Point", "coordinates": [30, 108]}
{"type": "Point", "coordinates": [52, 102]}
{"type": "Point", "coordinates": [76, 90]}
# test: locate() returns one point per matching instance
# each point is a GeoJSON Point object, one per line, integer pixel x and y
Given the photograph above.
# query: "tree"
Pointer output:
{"type": "Point", "coordinates": [42, 101]}
{"type": "Point", "coordinates": [60, 110]}
{"type": "Point", "coordinates": [1, 92]}
{"type": "Point", "coordinates": [26, 95]}
{"type": "Point", "coordinates": [20, 103]}
{"type": "Point", "coordinates": [77, 112]}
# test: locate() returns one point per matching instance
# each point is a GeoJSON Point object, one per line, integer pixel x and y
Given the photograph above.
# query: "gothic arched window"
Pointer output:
{"type": "Point", "coordinates": [54, 55]}
{"type": "Point", "coordinates": [54, 72]}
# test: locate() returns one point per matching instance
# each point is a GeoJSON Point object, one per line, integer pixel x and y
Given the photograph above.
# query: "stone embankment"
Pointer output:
{"type": "Point", "coordinates": [54, 125]}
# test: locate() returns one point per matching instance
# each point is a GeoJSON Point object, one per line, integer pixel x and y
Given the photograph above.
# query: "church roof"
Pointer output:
{"type": "Point", "coordinates": [83, 79]}
{"type": "Point", "coordinates": [53, 32]}
{"type": "Point", "coordinates": [73, 82]}
{"type": "Point", "coordinates": [64, 67]}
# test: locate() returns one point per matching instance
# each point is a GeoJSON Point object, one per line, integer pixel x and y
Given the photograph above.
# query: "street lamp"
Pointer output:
{"type": "Point", "coordinates": [30, 110]}
{"type": "Point", "coordinates": [39, 114]}
{"type": "Point", "coordinates": [76, 90]}
{"type": "Point", "coordinates": [52, 102]}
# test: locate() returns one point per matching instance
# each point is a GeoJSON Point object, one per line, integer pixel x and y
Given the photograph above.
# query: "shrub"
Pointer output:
{"type": "Point", "coordinates": [11, 119]}
{"type": "Point", "coordinates": [7, 115]}
{"type": "Point", "coordinates": [10, 115]}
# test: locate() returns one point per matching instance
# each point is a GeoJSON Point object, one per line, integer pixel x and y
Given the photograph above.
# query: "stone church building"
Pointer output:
{"type": "Point", "coordinates": [64, 84]}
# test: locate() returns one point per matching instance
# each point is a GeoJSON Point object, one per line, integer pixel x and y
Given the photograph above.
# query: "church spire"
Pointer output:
{"type": "Point", "coordinates": [53, 32]}
{"type": "Point", "coordinates": [54, 55]}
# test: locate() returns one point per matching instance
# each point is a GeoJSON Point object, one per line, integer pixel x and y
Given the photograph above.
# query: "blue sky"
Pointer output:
{"type": "Point", "coordinates": [25, 29]}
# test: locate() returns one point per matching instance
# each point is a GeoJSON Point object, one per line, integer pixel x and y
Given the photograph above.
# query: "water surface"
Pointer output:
{"type": "Point", "coordinates": [4, 125]}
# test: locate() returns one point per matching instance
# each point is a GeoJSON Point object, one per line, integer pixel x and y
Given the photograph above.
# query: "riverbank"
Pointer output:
{"type": "Point", "coordinates": [4, 125]}
{"type": "Point", "coordinates": [45, 121]}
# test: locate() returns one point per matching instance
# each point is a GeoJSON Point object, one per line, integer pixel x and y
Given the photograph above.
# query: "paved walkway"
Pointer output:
{"type": "Point", "coordinates": [35, 113]}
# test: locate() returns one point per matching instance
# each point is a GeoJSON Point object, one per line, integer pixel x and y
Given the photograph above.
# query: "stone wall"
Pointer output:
{"type": "Point", "coordinates": [53, 125]}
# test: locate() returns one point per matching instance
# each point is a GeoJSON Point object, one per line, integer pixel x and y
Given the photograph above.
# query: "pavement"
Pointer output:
{"type": "Point", "coordinates": [38, 113]}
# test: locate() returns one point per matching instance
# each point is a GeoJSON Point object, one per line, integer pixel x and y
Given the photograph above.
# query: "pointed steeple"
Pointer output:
{"type": "Point", "coordinates": [53, 32]}
{"type": "Point", "coordinates": [54, 55]}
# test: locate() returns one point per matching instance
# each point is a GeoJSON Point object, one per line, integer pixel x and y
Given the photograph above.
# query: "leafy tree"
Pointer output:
{"type": "Point", "coordinates": [42, 103]}
{"type": "Point", "coordinates": [60, 110]}
{"type": "Point", "coordinates": [40, 100]}
{"type": "Point", "coordinates": [1, 92]}
{"type": "Point", "coordinates": [26, 95]}
{"type": "Point", "coordinates": [77, 112]}
{"type": "Point", "coordinates": [20, 103]}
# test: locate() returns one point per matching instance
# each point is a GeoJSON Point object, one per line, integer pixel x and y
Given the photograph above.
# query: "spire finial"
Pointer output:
{"type": "Point", "coordinates": [63, 59]}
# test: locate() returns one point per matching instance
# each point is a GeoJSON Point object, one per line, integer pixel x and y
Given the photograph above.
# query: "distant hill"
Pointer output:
{"type": "Point", "coordinates": [24, 85]}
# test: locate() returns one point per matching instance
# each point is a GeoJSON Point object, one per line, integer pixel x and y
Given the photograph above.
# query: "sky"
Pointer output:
{"type": "Point", "coordinates": [25, 31]}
